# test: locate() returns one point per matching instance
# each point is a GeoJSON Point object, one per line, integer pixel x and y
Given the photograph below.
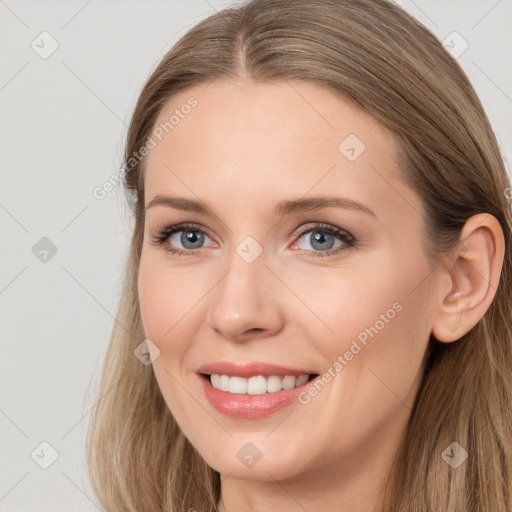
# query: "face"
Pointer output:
{"type": "Point", "coordinates": [339, 291]}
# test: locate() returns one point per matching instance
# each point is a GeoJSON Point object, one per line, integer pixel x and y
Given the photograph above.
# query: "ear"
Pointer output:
{"type": "Point", "coordinates": [471, 278]}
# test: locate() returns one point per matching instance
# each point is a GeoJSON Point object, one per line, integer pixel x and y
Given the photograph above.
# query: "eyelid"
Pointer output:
{"type": "Point", "coordinates": [320, 226]}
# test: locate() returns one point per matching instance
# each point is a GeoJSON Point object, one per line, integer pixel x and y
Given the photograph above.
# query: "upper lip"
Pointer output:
{"type": "Point", "coordinates": [250, 369]}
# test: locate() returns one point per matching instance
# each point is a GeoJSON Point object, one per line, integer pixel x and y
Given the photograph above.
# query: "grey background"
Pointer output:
{"type": "Point", "coordinates": [63, 121]}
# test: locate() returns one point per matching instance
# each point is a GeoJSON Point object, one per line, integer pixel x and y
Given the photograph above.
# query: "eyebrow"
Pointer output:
{"type": "Point", "coordinates": [281, 209]}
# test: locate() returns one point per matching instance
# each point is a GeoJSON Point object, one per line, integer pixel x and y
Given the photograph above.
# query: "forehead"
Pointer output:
{"type": "Point", "coordinates": [254, 143]}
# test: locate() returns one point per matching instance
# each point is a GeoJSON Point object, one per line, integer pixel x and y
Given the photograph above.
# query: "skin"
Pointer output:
{"type": "Point", "coordinates": [242, 149]}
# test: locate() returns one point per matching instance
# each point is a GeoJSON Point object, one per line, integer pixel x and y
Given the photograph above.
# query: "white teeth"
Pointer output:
{"type": "Point", "coordinates": [289, 382]}
{"type": "Point", "coordinates": [301, 380]}
{"type": "Point", "coordinates": [274, 383]}
{"type": "Point", "coordinates": [257, 385]}
{"type": "Point", "coordinates": [238, 385]}
{"type": "Point", "coordinates": [224, 382]}
{"type": "Point", "coordinates": [215, 380]}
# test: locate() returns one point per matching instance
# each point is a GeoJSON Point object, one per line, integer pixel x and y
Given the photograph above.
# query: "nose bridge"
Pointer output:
{"type": "Point", "coordinates": [245, 298]}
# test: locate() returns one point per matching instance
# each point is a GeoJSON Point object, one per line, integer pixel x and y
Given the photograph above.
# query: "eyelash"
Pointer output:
{"type": "Point", "coordinates": [347, 238]}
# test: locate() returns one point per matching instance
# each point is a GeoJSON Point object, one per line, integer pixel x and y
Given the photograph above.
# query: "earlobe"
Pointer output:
{"type": "Point", "coordinates": [474, 275]}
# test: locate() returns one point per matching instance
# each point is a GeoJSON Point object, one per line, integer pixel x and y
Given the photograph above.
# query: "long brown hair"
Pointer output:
{"type": "Point", "coordinates": [388, 64]}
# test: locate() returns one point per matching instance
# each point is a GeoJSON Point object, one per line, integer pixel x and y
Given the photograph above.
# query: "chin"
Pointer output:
{"type": "Point", "coordinates": [249, 464]}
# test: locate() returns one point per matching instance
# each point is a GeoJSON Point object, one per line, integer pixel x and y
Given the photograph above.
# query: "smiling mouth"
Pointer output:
{"type": "Point", "coordinates": [258, 384]}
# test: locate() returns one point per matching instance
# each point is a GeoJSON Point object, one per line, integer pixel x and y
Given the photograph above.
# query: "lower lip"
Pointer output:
{"type": "Point", "coordinates": [251, 406]}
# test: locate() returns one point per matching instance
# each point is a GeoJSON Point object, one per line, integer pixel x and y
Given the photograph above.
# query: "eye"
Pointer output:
{"type": "Point", "coordinates": [324, 239]}
{"type": "Point", "coordinates": [189, 236]}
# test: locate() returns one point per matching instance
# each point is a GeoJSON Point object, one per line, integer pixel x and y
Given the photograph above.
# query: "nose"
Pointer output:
{"type": "Point", "coordinates": [245, 304]}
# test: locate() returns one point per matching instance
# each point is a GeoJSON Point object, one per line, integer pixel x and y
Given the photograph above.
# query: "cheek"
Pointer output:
{"type": "Point", "coordinates": [153, 299]}
{"type": "Point", "coordinates": [165, 300]}
{"type": "Point", "coordinates": [373, 360]}
{"type": "Point", "coordinates": [374, 315]}
{"type": "Point", "coordinates": [348, 300]}
{"type": "Point", "coordinates": [385, 337]}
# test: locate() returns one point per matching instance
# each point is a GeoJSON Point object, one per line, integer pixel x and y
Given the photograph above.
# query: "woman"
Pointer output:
{"type": "Point", "coordinates": [316, 309]}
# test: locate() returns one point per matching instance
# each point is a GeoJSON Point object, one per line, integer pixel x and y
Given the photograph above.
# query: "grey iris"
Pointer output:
{"type": "Point", "coordinates": [194, 237]}
{"type": "Point", "coordinates": [320, 237]}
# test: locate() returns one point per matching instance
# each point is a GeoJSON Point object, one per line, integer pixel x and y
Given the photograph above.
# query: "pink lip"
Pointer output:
{"type": "Point", "coordinates": [251, 406]}
{"type": "Point", "coordinates": [251, 369]}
